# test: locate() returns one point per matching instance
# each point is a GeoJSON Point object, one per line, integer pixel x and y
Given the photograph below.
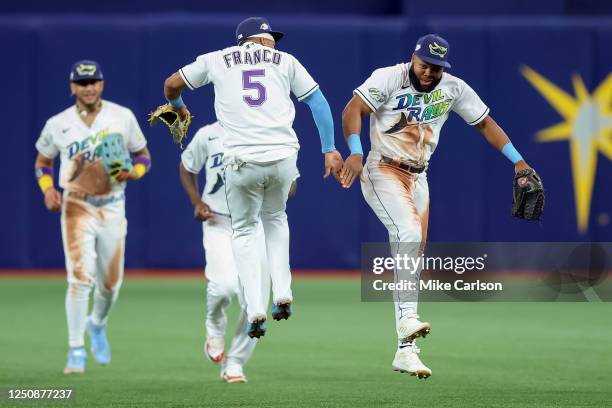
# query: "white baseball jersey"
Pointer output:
{"type": "Point", "coordinates": [252, 102]}
{"type": "Point", "coordinates": [206, 149]}
{"type": "Point", "coordinates": [67, 135]}
{"type": "Point", "coordinates": [405, 124]}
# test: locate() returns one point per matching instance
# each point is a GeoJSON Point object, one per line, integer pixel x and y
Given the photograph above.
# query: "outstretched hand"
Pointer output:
{"type": "Point", "coordinates": [353, 168]}
{"type": "Point", "coordinates": [333, 164]}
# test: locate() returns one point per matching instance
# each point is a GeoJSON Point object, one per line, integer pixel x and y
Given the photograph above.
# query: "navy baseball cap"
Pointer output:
{"type": "Point", "coordinates": [256, 25]}
{"type": "Point", "coordinates": [433, 49]}
{"type": "Point", "coordinates": [85, 69]}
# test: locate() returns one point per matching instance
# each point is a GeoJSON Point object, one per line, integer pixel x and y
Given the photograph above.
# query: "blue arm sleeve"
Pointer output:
{"type": "Point", "coordinates": [323, 119]}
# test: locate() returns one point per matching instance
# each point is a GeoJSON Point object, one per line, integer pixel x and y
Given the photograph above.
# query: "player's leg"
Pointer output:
{"type": "Point", "coordinates": [400, 199]}
{"type": "Point", "coordinates": [222, 284]}
{"type": "Point", "coordinates": [274, 219]}
{"type": "Point", "coordinates": [78, 236]}
{"type": "Point", "coordinates": [244, 190]}
{"type": "Point", "coordinates": [110, 247]}
{"type": "Point", "coordinates": [242, 346]}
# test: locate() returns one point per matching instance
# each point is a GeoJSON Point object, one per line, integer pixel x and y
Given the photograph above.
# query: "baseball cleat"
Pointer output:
{"type": "Point", "coordinates": [214, 349]}
{"type": "Point", "coordinates": [257, 327]}
{"type": "Point", "coordinates": [281, 310]}
{"type": "Point", "coordinates": [407, 361]}
{"type": "Point", "coordinates": [411, 328]}
{"type": "Point", "coordinates": [233, 374]}
{"type": "Point", "coordinates": [99, 343]}
{"type": "Point", "coordinates": [76, 361]}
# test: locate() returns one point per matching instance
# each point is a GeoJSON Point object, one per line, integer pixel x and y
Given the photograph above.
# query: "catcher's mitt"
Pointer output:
{"type": "Point", "coordinates": [528, 195]}
{"type": "Point", "coordinates": [114, 155]}
{"type": "Point", "coordinates": [178, 127]}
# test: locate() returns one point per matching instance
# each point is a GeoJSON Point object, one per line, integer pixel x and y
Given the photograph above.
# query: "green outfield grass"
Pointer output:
{"type": "Point", "coordinates": [334, 352]}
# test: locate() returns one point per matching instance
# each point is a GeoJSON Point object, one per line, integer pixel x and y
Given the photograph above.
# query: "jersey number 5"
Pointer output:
{"type": "Point", "coordinates": [249, 84]}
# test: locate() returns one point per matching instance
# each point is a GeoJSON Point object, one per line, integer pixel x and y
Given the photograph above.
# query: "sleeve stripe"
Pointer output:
{"type": "Point", "coordinates": [480, 118]}
{"type": "Point", "coordinates": [311, 90]}
{"type": "Point", "coordinates": [182, 74]}
{"type": "Point", "coordinates": [365, 99]}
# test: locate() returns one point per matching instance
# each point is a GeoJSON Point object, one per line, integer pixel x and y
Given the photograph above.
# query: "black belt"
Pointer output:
{"type": "Point", "coordinates": [401, 165]}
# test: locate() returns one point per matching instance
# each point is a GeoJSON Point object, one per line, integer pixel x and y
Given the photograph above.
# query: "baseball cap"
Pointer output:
{"type": "Point", "coordinates": [256, 25]}
{"type": "Point", "coordinates": [433, 49]}
{"type": "Point", "coordinates": [85, 69]}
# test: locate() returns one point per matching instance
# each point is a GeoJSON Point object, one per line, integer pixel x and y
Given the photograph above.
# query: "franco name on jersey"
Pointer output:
{"type": "Point", "coordinates": [248, 57]}
{"type": "Point", "coordinates": [436, 105]}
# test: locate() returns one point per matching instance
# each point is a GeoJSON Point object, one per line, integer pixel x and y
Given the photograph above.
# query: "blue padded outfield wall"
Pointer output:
{"type": "Point", "coordinates": [470, 183]}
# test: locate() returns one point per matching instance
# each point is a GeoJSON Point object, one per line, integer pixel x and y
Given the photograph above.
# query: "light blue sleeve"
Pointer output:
{"type": "Point", "coordinates": [322, 115]}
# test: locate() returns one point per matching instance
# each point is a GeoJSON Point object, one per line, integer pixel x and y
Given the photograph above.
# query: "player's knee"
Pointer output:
{"type": "Point", "coordinates": [78, 290]}
{"type": "Point", "coordinates": [409, 233]}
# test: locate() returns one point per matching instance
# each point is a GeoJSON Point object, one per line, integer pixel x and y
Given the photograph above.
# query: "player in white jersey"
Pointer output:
{"type": "Point", "coordinates": [407, 105]}
{"type": "Point", "coordinates": [92, 204]}
{"type": "Point", "coordinates": [206, 150]}
{"type": "Point", "coordinates": [253, 82]}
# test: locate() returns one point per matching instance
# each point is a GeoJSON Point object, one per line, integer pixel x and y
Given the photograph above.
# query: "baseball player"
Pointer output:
{"type": "Point", "coordinates": [408, 105]}
{"type": "Point", "coordinates": [206, 150]}
{"type": "Point", "coordinates": [92, 203]}
{"type": "Point", "coordinates": [252, 83]}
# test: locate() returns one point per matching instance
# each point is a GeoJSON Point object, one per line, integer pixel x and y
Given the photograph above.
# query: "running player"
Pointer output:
{"type": "Point", "coordinates": [92, 204]}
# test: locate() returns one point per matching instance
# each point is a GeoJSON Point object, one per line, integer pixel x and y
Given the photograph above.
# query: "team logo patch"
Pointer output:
{"type": "Point", "coordinates": [522, 181]}
{"type": "Point", "coordinates": [264, 26]}
{"type": "Point", "coordinates": [377, 95]}
{"type": "Point", "coordinates": [437, 49]}
{"type": "Point", "coordinates": [86, 69]}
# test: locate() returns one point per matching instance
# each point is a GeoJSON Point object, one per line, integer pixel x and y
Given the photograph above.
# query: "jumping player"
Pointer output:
{"type": "Point", "coordinates": [206, 150]}
{"type": "Point", "coordinates": [407, 105]}
{"type": "Point", "coordinates": [92, 204]}
{"type": "Point", "coordinates": [252, 84]}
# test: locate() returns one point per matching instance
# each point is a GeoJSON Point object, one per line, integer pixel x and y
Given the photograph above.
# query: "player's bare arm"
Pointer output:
{"type": "Point", "coordinates": [189, 181]}
{"type": "Point", "coordinates": [496, 136]}
{"type": "Point", "coordinates": [352, 115]}
{"type": "Point", "coordinates": [44, 171]}
{"type": "Point", "coordinates": [173, 88]}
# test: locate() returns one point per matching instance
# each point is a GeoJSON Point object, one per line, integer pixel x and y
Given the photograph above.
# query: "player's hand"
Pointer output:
{"type": "Point", "coordinates": [183, 112]}
{"type": "Point", "coordinates": [53, 199]}
{"type": "Point", "coordinates": [522, 165]}
{"type": "Point", "coordinates": [333, 164]}
{"type": "Point", "coordinates": [125, 175]}
{"type": "Point", "coordinates": [202, 212]}
{"type": "Point", "coordinates": [352, 169]}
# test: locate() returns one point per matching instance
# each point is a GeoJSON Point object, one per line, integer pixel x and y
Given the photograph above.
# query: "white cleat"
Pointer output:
{"type": "Point", "coordinates": [411, 328]}
{"type": "Point", "coordinates": [215, 349]}
{"type": "Point", "coordinates": [233, 374]}
{"type": "Point", "coordinates": [407, 361]}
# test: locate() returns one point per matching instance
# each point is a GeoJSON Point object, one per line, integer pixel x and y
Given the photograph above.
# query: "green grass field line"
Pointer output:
{"type": "Point", "coordinates": [334, 352]}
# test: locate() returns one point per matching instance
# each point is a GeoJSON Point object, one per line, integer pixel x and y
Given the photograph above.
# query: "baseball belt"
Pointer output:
{"type": "Point", "coordinates": [96, 201]}
{"type": "Point", "coordinates": [404, 166]}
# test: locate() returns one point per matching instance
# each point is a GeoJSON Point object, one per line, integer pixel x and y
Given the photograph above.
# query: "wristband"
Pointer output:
{"type": "Point", "coordinates": [142, 164]}
{"type": "Point", "coordinates": [45, 177]}
{"type": "Point", "coordinates": [176, 103]}
{"type": "Point", "coordinates": [511, 153]}
{"type": "Point", "coordinates": [354, 144]}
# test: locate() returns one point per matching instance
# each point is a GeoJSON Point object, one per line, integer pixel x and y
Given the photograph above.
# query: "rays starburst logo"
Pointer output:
{"type": "Point", "coordinates": [587, 126]}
